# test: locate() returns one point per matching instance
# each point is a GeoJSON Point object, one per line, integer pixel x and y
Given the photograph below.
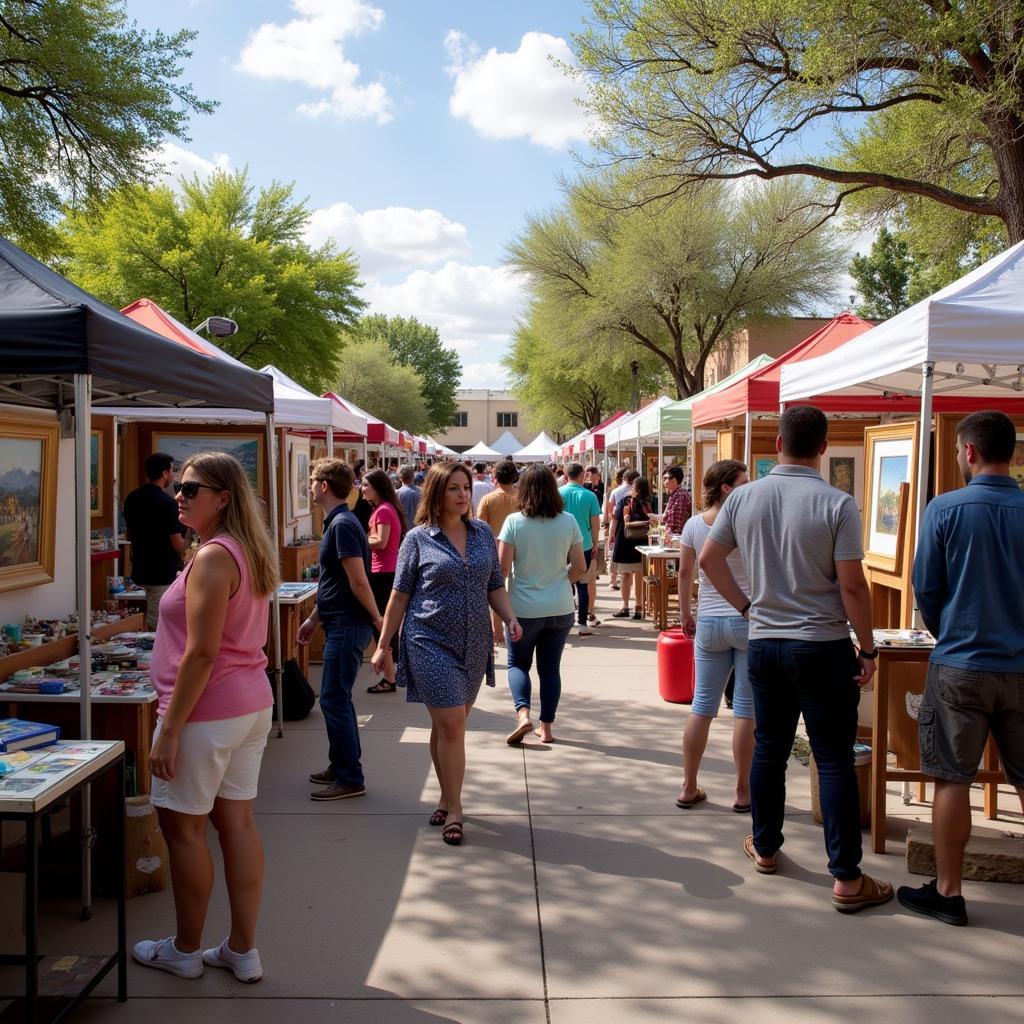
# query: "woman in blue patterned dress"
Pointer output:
{"type": "Point", "coordinates": [448, 578]}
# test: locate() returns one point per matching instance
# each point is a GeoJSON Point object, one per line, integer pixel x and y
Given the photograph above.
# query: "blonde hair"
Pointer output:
{"type": "Point", "coordinates": [241, 518]}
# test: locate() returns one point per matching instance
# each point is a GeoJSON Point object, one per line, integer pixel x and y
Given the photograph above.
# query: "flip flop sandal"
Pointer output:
{"type": "Point", "coordinates": [382, 687]}
{"type": "Point", "coordinates": [872, 893]}
{"type": "Point", "coordinates": [517, 734]}
{"type": "Point", "coordinates": [439, 817]}
{"type": "Point", "coordinates": [764, 869]}
{"type": "Point", "coordinates": [687, 804]}
{"type": "Point", "coordinates": [452, 833]}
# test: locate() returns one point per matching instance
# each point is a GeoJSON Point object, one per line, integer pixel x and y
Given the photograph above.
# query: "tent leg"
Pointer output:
{"type": "Point", "coordinates": [275, 609]}
{"type": "Point", "coordinates": [83, 432]}
{"type": "Point", "coordinates": [924, 448]}
{"type": "Point", "coordinates": [329, 441]}
{"type": "Point", "coordinates": [115, 521]}
{"type": "Point", "coordinates": [661, 470]}
{"type": "Point", "coordinates": [748, 441]}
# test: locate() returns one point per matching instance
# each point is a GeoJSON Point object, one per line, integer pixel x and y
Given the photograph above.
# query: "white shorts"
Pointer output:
{"type": "Point", "coordinates": [215, 759]}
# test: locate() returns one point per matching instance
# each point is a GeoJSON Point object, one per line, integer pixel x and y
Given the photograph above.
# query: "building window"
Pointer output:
{"type": "Point", "coordinates": [508, 419]}
{"type": "Point", "coordinates": [460, 419]}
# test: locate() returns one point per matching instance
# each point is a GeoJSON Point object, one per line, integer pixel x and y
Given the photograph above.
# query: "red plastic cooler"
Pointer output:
{"type": "Point", "coordinates": [675, 667]}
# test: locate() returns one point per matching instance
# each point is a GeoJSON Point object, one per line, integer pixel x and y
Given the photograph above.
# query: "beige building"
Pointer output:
{"type": "Point", "coordinates": [772, 337]}
{"type": "Point", "coordinates": [484, 415]}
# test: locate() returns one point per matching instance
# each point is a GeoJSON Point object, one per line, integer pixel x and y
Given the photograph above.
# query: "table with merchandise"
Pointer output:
{"type": "Point", "coordinates": [657, 579]}
{"type": "Point", "coordinates": [32, 782]}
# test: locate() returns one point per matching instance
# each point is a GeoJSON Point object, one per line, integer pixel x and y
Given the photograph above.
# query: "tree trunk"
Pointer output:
{"type": "Point", "coordinates": [1008, 151]}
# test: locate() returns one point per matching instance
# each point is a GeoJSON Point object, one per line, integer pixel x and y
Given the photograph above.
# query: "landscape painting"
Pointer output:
{"type": "Point", "coordinates": [841, 474]}
{"type": "Point", "coordinates": [28, 501]}
{"type": "Point", "coordinates": [764, 465]}
{"type": "Point", "coordinates": [892, 473]}
{"type": "Point", "coordinates": [247, 449]}
{"type": "Point", "coordinates": [21, 470]}
{"type": "Point", "coordinates": [302, 481]}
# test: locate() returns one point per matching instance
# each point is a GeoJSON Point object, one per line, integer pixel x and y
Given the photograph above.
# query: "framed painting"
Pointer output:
{"type": "Point", "coordinates": [843, 468]}
{"type": "Point", "coordinates": [298, 491]}
{"type": "Point", "coordinates": [1017, 462]}
{"type": "Point", "coordinates": [763, 465]}
{"type": "Point", "coordinates": [28, 501]}
{"type": "Point", "coordinates": [96, 473]}
{"type": "Point", "coordinates": [890, 456]}
{"type": "Point", "coordinates": [247, 448]}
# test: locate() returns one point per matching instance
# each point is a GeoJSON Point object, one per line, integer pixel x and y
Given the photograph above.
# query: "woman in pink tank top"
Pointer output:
{"type": "Point", "coordinates": [209, 671]}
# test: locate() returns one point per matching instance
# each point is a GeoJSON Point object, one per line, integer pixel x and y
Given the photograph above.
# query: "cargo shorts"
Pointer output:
{"type": "Point", "coordinates": [959, 709]}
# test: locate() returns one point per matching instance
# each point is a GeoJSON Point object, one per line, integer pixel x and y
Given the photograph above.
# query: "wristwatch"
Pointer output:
{"type": "Point", "coordinates": [868, 655]}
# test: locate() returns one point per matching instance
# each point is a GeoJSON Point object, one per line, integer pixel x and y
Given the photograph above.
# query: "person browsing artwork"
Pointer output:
{"type": "Point", "coordinates": [214, 711]}
{"type": "Point", "coordinates": [447, 579]}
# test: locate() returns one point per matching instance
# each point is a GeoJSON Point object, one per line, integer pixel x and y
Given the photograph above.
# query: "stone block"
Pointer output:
{"type": "Point", "coordinates": [990, 856]}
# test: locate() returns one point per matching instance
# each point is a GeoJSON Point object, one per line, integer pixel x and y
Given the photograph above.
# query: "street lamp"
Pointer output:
{"type": "Point", "coordinates": [217, 327]}
{"type": "Point", "coordinates": [634, 369]}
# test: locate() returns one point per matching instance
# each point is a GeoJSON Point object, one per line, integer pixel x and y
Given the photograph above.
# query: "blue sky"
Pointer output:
{"type": "Point", "coordinates": [422, 132]}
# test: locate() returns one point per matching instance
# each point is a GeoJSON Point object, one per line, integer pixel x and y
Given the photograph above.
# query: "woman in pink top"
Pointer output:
{"type": "Point", "coordinates": [209, 670]}
{"type": "Point", "coordinates": [387, 528]}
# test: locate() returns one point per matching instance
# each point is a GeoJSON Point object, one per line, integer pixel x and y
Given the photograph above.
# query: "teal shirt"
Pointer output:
{"type": "Point", "coordinates": [581, 504]}
{"type": "Point", "coordinates": [539, 582]}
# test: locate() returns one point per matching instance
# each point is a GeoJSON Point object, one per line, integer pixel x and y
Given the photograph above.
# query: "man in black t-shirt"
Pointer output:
{"type": "Point", "coordinates": [158, 538]}
{"type": "Point", "coordinates": [347, 610]}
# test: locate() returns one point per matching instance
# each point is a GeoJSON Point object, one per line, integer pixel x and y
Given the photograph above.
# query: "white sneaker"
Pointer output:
{"type": "Point", "coordinates": [246, 966]}
{"type": "Point", "coordinates": [164, 955]}
{"type": "Point", "coordinates": [593, 620]}
{"type": "Point", "coordinates": [584, 631]}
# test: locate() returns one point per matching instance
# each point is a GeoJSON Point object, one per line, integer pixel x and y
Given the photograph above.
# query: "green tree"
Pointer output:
{"type": "Point", "coordinates": [370, 375]}
{"type": "Point", "coordinates": [419, 346]}
{"type": "Point", "coordinates": [673, 277]}
{"type": "Point", "coordinates": [883, 276]}
{"type": "Point", "coordinates": [215, 248]}
{"type": "Point", "coordinates": [920, 99]}
{"type": "Point", "coordinates": [560, 389]}
{"type": "Point", "coordinates": [85, 96]}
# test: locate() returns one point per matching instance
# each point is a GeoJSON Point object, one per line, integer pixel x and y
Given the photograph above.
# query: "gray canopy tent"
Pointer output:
{"type": "Point", "coordinates": [63, 349]}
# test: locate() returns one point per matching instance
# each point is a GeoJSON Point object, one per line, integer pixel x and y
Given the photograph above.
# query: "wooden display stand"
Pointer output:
{"type": "Point", "coordinates": [293, 561]}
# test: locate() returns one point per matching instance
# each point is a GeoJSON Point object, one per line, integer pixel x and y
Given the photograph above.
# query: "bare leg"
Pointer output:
{"type": "Point", "coordinates": [625, 584]}
{"type": "Point", "coordinates": [695, 739]}
{"type": "Point", "coordinates": [743, 756]}
{"type": "Point", "coordinates": [951, 827]}
{"type": "Point", "coordinates": [450, 726]}
{"type": "Point", "coordinates": [243, 868]}
{"type": "Point", "coordinates": [442, 802]}
{"type": "Point", "coordinates": [191, 874]}
{"type": "Point", "coordinates": [389, 667]}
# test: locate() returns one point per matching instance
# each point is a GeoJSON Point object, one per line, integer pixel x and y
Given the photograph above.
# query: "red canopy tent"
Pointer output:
{"type": "Point", "coordinates": [594, 441]}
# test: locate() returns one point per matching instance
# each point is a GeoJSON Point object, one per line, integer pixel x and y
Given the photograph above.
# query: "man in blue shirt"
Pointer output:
{"type": "Point", "coordinates": [967, 579]}
{"type": "Point", "coordinates": [347, 610]}
{"type": "Point", "coordinates": [583, 505]}
{"type": "Point", "coordinates": [409, 494]}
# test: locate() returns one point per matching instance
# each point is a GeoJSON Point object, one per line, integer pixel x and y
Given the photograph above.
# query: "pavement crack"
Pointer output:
{"type": "Point", "coordinates": [536, 893]}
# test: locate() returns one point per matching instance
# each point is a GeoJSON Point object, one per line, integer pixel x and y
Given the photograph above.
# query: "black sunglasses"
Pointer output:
{"type": "Point", "coordinates": [190, 488]}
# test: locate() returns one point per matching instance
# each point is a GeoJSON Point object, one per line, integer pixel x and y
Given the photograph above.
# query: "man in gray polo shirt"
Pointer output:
{"type": "Point", "coordinates": [801, 543]}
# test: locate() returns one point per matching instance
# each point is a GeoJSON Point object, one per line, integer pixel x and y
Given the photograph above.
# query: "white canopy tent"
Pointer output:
{"type": "Point", "coordinates": [962, 345]}
{"type": "Point", "coordinates": [482, 453]}
{"type": "Point", "coordinates": [539, 449]}
{"type": "Point", "coordinates": [507, 444]}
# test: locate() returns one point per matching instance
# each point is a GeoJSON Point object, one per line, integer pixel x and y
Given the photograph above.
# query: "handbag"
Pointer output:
{"type": "Point", "coordinates": [635, 529]}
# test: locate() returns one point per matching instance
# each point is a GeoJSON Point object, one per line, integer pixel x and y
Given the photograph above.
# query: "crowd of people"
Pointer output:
{"type": "Point", "coordinates": [452, 564]}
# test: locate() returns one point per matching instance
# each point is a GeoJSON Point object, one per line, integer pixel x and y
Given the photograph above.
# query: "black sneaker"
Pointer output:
{"type": "Point", "coordinates": [324, 778]}
{"type": "Point", "coordinates": [928, 900]}
{"type": "Point", "coordinates": [622, 613]}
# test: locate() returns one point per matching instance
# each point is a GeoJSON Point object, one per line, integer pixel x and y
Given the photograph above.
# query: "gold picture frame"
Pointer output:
{"type": "Point", "coordinates": [96, 473]}
{"type": "Point", "coordinates": [299, 461]}
{"type": "Point", "coordinates": [28, 501]}
{"type": "Point", "coordinates": [890, 461]}
{"type": "Point", "coordinates": [247, 448]}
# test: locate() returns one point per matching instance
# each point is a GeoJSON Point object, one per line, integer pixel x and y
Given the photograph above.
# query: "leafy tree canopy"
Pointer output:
{"type": "Point", "coordinates": [913, 100]}
{"type": "Point", "coordinates": [631, 272]}
{"type": "Point", "coordinates": [419, 346]}
{"type": "Point", "coordinates": [371, 376]}
{"type": "Point", "coordinates": [216, 249]}
{"type": "Point", "coordinates": [883, 277]}
{"type": "Point", "coordinates": [85, 96]}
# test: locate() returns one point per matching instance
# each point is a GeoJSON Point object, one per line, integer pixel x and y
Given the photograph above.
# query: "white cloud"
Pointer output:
{"type": "Point", "coordinates": [517, 95]}
{"type": "Point", "coordinates": [177, 162]}
{"type": "Point", "coordinates": [473, 307]}
{"type": "Point", "coordinates": [395, 238]}
{"type": "Point", "coordinates": [308, 49]}
{"type": "Point", "coordinates": [484, 375]}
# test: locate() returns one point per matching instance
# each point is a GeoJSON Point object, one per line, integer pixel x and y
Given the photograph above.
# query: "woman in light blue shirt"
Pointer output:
{"type": "Point", "coordinates": [541, 552]}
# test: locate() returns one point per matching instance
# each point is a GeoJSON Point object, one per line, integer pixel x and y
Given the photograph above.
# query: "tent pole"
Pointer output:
{"type": "Point", "coordinates": [83, 435]}
{"type": "Point", "coordinates": [329, 441]}
{"type": "Point", "coordinates": [661, 470]}
{"type": "Point", "coordinates": [273, 461]}
{"type": "Point", "coordinates": [924, 448]}
{"type": "Point", "coordinates": [115, 510]}
{"type": "Point", "coordinates": [693, 468]}
{"type": "Point", "coordinates": [748, 441]}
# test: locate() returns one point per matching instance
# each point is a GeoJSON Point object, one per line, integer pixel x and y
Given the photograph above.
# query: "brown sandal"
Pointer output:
{"type": "Point", "coordinates": [872, 893]}
{"type": "Point", "coordinates": [769, 867]}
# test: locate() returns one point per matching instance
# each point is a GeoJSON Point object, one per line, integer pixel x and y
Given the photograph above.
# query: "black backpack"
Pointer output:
{"type": "Point", "coordinates": [296, 693]}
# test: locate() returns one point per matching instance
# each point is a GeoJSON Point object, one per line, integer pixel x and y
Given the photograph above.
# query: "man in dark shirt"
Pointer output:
{"type": "Point", "coordinates": [158, 538]}
{"type": "Point", "coordinates": [967, 580]}
{"type": "Point", "coordinates": [347, 610]}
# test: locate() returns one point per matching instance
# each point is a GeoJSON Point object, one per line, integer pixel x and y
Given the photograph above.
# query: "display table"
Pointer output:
{"type": "Point", "coordinates": [53, 774]}
{"type": "Point", "coordinates": [294, 600]}
{"type": "Point", "coordinates": [655, 581]}
{"type": "Point", "coordinates": [890, 655]}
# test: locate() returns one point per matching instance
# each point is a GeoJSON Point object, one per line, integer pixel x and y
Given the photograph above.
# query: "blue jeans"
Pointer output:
{"type": "Point", "coordinates": [719, 648]}
{"type": "Point", "coordinates": [343, 654]}
{"type": "Point", "coordinates": [583, 592]}
{"type": "Point", "coordinates": [790, 677]}
{"type": "Point", "coordinates": [547, 637]}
